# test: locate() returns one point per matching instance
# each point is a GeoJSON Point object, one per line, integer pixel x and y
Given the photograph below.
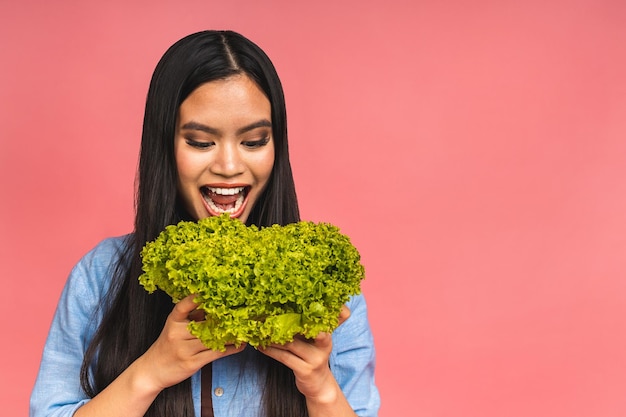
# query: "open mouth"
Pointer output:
{"type": "Point", "coordinates": [219, 200]}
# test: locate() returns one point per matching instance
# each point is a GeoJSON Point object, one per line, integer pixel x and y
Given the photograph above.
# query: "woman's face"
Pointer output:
{"type": "Point", "coordinates": [224, 148]}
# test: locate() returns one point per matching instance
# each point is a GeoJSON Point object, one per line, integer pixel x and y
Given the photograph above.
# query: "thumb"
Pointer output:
{"type": "Point", "coordinates": [181, 310]}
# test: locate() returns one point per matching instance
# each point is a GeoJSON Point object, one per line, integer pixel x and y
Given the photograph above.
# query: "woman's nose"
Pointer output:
{"type": "Point", "coordinates": [228, 162]}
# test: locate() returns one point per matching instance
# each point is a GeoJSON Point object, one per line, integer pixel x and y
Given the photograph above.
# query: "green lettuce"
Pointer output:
{"type": "Point", "coordinates": [257, 286]}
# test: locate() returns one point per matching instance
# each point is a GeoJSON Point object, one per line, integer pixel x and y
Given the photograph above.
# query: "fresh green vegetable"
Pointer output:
{"type": "Point", "coordinates": [258, 286]}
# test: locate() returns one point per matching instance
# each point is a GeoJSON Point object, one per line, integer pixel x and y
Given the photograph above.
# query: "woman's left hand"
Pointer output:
{"type": "Point", "coordinates": [308, 358]}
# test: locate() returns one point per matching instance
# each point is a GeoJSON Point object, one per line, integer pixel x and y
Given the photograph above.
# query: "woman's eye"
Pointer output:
{"type": "Point", "coordinates": [253, 144]}
{"type": "Point", "coordinates": [199, 145]}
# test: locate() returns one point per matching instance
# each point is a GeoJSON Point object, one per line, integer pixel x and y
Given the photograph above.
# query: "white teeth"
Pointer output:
{"type": "Point", "coordinates": [217, 209]}
{"type": "Point", "coordinates": [226, 191]}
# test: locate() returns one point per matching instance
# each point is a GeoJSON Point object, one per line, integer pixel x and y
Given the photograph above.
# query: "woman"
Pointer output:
{"type": "Point", "coordinates": [214, 140]}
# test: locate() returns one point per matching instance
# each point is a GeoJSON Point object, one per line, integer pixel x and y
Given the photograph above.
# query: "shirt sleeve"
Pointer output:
{"type": "Point", "coordinates": [57, 391]}
{"type": "Point", "coordinates": [353, 360]}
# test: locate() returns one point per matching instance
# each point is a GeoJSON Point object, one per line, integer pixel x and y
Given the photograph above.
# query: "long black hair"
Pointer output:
{"type": "Point", "coordinates": [132, 318]}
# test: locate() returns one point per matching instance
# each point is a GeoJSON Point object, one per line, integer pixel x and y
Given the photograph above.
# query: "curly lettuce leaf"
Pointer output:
{"type": "Point", "coordinates": [256, 286]}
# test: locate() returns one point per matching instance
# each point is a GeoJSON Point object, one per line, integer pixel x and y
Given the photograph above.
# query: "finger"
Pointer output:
{"type": "Point", "coordinates": [231, 349]}
{"type": "Point", "coordinates": [181, 310]}
{"type": "Point", "coordinates": [282, 355]}
{"type": "Point", "coordinates": [299, 348]}
{"type": "Point", "coordinates": [344, 314]}
{"type": "Point", "coordinates": [209, 355]}
{"type": "Point", "coordinates": [323, 341]}
{"type": "Point", "coordinates": [297, 355]}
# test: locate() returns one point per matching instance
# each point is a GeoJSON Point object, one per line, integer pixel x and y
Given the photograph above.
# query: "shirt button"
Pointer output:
{"type": "Point", "coordinates": [219, 391]}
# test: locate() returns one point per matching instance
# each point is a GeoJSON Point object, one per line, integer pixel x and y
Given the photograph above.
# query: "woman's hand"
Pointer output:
{"type": "Point", "coordinates": [309, 360]}
{"type": "Point", "coordinates": [177, 354]}
{"type": "Point", "coordinates": [172, 358]}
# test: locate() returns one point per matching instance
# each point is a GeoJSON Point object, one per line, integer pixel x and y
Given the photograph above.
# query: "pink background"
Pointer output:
{"type": "Point", "coordinates": [474, 151]}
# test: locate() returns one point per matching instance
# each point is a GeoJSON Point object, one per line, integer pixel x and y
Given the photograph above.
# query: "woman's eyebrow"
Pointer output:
{"type": "Point", "coordinates": [255, 125]}
{"type": "Point", "coordinates": [212, 131]}
{"type": "Point", "coordinates": [199, 126]}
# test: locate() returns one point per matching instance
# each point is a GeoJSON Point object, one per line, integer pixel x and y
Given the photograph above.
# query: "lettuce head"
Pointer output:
{"type": "Point", "coordinates": [255, 285]}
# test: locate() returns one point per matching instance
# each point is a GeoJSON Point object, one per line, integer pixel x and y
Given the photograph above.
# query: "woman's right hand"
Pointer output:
{"type": "Point", "coordinates": [177, 354]}
{"type": "Point", "coordinates": [172, 358]}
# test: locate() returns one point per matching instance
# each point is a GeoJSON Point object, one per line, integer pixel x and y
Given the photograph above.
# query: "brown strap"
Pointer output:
{"type": "Point", "coordinates": [206, 402]}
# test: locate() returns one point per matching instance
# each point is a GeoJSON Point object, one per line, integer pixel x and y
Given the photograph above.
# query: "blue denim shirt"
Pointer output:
{"type": "Point", "coordinates": [236, 388]}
